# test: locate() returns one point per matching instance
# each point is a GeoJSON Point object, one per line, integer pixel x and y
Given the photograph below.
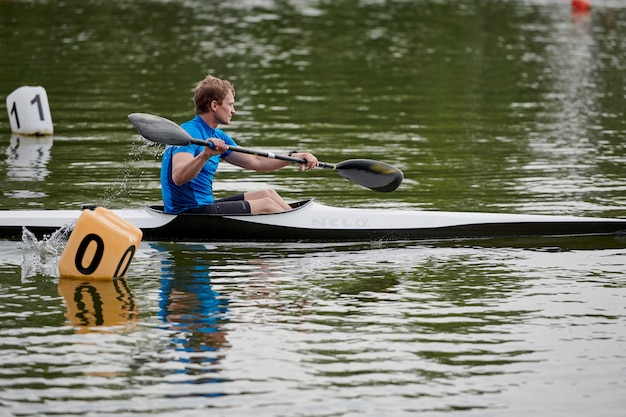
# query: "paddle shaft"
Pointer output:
{"type": "Point", "coordinates": [375, 175]}
{"type": "Point", "coordinates": [264, 154]}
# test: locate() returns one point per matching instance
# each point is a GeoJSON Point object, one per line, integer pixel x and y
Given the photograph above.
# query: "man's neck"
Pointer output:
{"type": "Point", "coordinates": [209, 120]}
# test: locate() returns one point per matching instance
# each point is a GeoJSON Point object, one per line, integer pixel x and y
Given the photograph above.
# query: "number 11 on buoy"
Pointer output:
{"type": "Point", "coordinates": [29, 111]}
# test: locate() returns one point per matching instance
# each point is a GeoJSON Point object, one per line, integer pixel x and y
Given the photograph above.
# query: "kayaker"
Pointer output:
{"type": "Point", "coordinates": [187, 171]}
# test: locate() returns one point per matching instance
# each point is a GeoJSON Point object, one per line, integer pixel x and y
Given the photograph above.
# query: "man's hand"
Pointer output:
{"type": "Point", "coordinates": [218, 147]}
{"type": "Point", "coordinates": [311, 160]}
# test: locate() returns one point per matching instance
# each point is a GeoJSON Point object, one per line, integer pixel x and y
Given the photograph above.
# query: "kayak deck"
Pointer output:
{"type": "Point", "coordinates": [311, 221]}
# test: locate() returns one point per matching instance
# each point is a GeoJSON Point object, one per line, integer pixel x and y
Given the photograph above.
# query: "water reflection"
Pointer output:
{"type": "Point", "coordinates": [98, 305]}
{"type": "Point", "coordinates": [193, 314]}
{"type": "Point", "coordinates": [571, 129]}
{"type": "Point", "coordinates": [28, 157]}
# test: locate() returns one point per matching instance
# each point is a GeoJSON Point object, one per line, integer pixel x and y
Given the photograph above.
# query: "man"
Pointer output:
{"type": "Point", "coordinates": [187, 171]}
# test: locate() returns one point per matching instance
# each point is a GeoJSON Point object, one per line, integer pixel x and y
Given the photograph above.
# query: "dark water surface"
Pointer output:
{"type": "Point", "coordinates": [507, 106]}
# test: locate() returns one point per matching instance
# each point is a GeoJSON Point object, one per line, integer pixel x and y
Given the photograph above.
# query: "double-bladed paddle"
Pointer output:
{"type": "Point", "coordinates": [375, 175]}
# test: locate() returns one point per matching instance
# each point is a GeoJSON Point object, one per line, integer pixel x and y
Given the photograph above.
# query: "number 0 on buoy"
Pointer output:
{"type": "Point", "coordinates": [101, 246]}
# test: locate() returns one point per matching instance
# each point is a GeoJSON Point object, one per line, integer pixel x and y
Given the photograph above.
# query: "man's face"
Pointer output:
{"type": "Point", "coordinates": [226, 110]}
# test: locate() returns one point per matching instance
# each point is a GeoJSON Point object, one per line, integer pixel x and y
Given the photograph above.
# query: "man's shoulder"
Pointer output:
{"type": "Point", "coordinates": [198, 129]}
{"type": "Point", "coordinates": [194, 127]}
{"type": "Point", "coordinates": [219, 133]}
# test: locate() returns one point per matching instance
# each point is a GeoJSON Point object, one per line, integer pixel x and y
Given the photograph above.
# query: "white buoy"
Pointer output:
{"type": "Point", "coordinates": [29, 111]}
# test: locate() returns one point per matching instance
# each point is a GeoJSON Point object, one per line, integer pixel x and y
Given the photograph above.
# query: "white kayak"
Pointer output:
{"type": "Point", "coordinates": [313, 221]}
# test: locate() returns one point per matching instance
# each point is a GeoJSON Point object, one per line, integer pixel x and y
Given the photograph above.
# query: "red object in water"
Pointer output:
{"type": "Point", "coordinates": [581, 5]}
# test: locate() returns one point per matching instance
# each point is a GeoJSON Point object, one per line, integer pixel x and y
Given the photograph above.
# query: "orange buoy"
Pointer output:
{"type": "Point", "coordinates": [101, 246]}
{"type": "Point", "coordinates": [581, 5]}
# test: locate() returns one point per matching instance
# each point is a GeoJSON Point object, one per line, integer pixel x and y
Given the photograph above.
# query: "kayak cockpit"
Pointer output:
{"type": "Point", "coordinates": [159, 208]}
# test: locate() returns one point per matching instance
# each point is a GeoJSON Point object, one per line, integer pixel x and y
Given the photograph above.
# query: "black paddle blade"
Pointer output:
{"type": "Point", "coordinates": [159, 129]}
{"type": "Point", "coordinates": [375, 175]}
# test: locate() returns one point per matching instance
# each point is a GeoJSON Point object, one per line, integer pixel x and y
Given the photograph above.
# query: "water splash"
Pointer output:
{"type": "Point", "coordinates": [119, 191]}
{"type": "Point", "coordinates": [41, 257]}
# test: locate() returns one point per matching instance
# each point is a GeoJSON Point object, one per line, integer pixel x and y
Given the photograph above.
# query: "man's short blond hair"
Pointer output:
{"type": "Point", "coordinates": [209, 89]}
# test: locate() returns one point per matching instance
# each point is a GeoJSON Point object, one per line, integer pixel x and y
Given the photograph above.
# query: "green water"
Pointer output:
{"type": "Point", "coordinates": [506, 106]}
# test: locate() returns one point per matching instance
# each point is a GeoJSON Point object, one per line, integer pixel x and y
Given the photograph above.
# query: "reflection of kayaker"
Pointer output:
{"type": "Point", "coordinates": [191, 312]}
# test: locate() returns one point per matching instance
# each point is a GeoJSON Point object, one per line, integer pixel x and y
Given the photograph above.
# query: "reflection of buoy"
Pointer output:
{"type": "Point", "coordinates": [98, 303]}
{"type": "Point", "coordinates": [27, 157]}
{"type": "Point", "coordinates": [101, 246]}
{"type": "Point", "coordinates": [581, 5]}
{"type": "Point", "coordinates": [29, 111]}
